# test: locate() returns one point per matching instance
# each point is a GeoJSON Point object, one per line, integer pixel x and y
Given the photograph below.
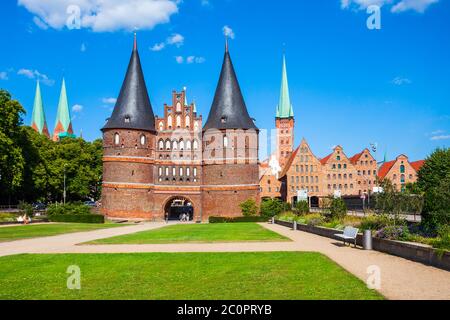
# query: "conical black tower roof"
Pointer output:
{"type": "Point", "coordinates": [228, 110]}
{"type": "Point", "coordinates": [133, 109]}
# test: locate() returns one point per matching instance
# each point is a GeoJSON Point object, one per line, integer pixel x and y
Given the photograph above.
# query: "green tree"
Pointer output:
{"type": "Point", "coordinates": [338, 208]}
{"type": "Point", "coordinates": [249, 208]}
{"type": "Point", "coordinates": [434, 181]}
{"type": "Point", "coordinates": [302, 207]}
{"type": "Point", "coordinates": [12, 162]}
{"type": "Point", "coordinates": [273, 207]}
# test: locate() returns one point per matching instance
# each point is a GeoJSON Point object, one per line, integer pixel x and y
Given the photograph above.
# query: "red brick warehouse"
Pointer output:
{"type": "Point", "coordinates": [155, 168]}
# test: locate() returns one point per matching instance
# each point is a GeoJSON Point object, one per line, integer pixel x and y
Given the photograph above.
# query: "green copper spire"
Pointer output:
{"type": "Point", "coordinates": [63, 125]}
{"type": "Point", "coordinates": [38, 118]}
{"type": "Point", "coordinates": [284, 109]}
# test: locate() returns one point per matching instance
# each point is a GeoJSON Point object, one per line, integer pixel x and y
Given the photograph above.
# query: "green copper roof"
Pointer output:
{"type": "Point", "coordinates": [63, 115]}
{"type": "Point", "coordinates": [284, 109]}
{"type": "Point", "coordinates": [38, 117]}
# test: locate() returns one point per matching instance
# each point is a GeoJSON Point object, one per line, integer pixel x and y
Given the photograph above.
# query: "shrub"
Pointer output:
{"type": "Point", "coordinates": [77, 218]}
{"type": "Point", "coordinates": [394, 233]}
{"type": "Point", "coordinates": [272, 207]}
{"type": "Point", "coordinates": [338, 208]}
{"type": "Point", "coordinates": [443, 240]}
{"type": "Point", "coordinates": [26, 208]}
{"type": "Point", "coordinates": [287, 216]}
{"type": "Point", "coordinates": [237, 219]}
{"type": "Point", "coordinates": [302, 207]}
{"type": "Point", "coordinates": [68, 209]}
{"type": "Point", "coordinates": [249, 208]}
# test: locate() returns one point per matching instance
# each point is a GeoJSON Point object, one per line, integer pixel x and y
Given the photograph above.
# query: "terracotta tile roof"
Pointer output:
{"type": "Point", "coordinates": [325, 160]}
{"type": "Point", "coordinates": [289, 163]}
{"type": "Point", "coordinates": [385, 168]}
{"type": "Point", "coordinates": [356, 157]}
{"type": "Point", "coordinates": [417, 164]}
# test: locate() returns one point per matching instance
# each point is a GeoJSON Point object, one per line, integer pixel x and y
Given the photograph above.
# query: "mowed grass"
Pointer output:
{"type": "Point", "coordinates": [44, 230]}
{"type": "Point", "coordinates": [198, 233]}
{"type": "Point", "coordinates": [181, 276]}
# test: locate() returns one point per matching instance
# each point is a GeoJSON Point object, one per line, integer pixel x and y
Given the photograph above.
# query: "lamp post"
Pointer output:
{"type": "Point", "coordinates": [64, 194]}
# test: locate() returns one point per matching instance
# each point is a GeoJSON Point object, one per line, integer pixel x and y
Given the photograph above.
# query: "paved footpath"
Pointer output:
{"type": "Point", "coordinates": [400, 278]}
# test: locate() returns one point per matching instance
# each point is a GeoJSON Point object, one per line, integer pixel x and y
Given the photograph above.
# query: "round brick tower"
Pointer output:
{"type": "Point", "coordinates": [230, 149]}
{"type": "Point", "coordinates": [129, 149]}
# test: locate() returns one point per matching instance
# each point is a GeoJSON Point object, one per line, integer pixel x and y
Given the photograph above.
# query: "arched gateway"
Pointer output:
{"type": "Point", "coordinates": [175, 207]}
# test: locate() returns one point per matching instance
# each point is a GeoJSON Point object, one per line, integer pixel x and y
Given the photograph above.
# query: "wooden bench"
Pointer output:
{"type": "Point", "coordinates": [350, 233]}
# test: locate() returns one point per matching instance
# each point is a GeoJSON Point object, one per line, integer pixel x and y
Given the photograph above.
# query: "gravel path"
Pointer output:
{"type": "Point", "coordinates": [400, 278]}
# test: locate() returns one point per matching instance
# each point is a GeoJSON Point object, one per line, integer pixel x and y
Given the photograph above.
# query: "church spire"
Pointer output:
{"type": "Point", "coordinates": [38, 122]}
{"type": "Point", "coordinates": [63, 124]}
{"type": "Point", "coordinates": [133, 109]}
{"type": "Point", "coordinates": [284, 109]}
{"type": "Point", "coordinates": [228, 110]}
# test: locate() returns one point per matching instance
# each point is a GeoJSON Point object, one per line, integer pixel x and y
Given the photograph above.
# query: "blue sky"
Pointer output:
{"type": "Point", "coordinates": [349, 85]}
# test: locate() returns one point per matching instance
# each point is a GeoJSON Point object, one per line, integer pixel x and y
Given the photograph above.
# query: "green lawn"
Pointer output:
{"type": "Point", "coordinates": [198, 233]}
{"type": "Point", "coordinates": [44, 230]}
{"type": "Point", "coordinates": [181, 276]}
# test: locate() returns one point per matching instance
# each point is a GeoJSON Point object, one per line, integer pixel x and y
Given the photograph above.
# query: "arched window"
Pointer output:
{"type": "Point", "coordinates": [169, 121]}
{"type": "Point", "coordinates": [143, 140]}
{"type": "Point", "coordinates": [181, 172]}
{"type": "Point", "coordinates": [161, 126]}
{"type": "Point", "coordinates": [174, 171]}
{"type": "Point", "coordinates": [195, 172]}
{"type": "Point", "coordinates": [196, 126]}
{"type": "Point", "coordinates": [195, 145]}
{"type": "Point", "coordinates": [188, 171]}
{"type": "Point", "coordinates": [168, 145]}
{"type": "Point", "coordinates": [116, 139]}
{"type": "Point", "coordinates": [178, 121]}
{"type": "Point", "coordinates": [402, 178]}
{"type": "Point", "coordinates": [188, 145]}
{"type": "Point", "coordinates": [225, 141]}
{"type": "Point", "coordinates": [167, 171]}
{"type": "Point", "coordinates": [181, 145]}
{"type": "Point", "coordinates": [178, 107]}
{"type": "Point", "coordinates": [402, 168]}
{"type": "Point", "coordinates": [175, 145]}
{"type": "Point", "coordinates": [188, 121]}
{"type": "Point", "coordinates": [160, 171]}
{"type": "Point", "coordinates": [161, 145]}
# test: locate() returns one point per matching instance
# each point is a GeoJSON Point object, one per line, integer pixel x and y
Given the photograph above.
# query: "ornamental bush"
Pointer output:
{"type": "Point", "coordinates": [249, 208]}
{"type": "Point", "coordinates": [77, 218]}
{"type": "Point", "coordinates": [302, 207]}
{"type": "Point", "coordinates": [68, 209]}
{"type": "Point", "coordinates": [338, 208]}
{"type": "Point", "coordinates": [273, 207]}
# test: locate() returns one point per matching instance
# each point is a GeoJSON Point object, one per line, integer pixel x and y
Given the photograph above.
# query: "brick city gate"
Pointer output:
{"type": "Point", "coordinates": [175, 207]}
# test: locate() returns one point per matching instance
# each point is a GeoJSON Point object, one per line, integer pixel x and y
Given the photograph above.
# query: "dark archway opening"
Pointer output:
{"type": "Point", "coordinates": [176, 207]}
{"type": "Point", "coordinates": [314, 202]}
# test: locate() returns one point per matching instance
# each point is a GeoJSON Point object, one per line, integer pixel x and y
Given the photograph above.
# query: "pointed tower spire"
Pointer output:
{"type": "Point", "coordinates": [284, 109]}
{"type": "Point", "coordinates": [133, 109]}
{"type": "Point", "coordinates": [228, 110]}
{"type": "Point", "coordinates": [38, 122]}
{"type": "Point", "coordinates": [185, 96]}
{"type": "Point", "coordinates": [63, 124]}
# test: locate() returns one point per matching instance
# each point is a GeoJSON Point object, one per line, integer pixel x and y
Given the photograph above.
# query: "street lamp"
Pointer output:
{"type": "Point", "coordinates": [64, 194]}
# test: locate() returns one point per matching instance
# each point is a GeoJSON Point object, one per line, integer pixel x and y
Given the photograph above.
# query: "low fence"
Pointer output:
{"type": "Point", "coordinates": [407, 250]}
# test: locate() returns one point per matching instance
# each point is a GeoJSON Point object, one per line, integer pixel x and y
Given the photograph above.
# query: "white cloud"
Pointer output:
{"type": "Point", "coordinates": [228, 32]}
{"type": "Point", "coordinates": [34, 74]}
{"type": "Point", "coordinates": [77, 108]}
{"type": "Point", "coordinates": [205, 3]}
{"type": "Point", "coordinates": [101, 15]}
{"type": "Point", "coordinates": [397, 6]}
{"type": "Point", "coordinates": [190, 60]}
{"type": "Point", "coordinates": [416, 5]}
{"type": "Point", "coordinates": [109, 100]}
{"type": "Point", "coordinates": [83, 47]}
{"type": "Point", "coordinates": [399, 81]}
{"type": "Point", "coordinates": [175, 39]}
{"type": "Point", "coordinates": [158, 46]}
{"type": "Point", "coordinates": [3, 75]}
{"type": "Point", "coordinates": [440, 137]}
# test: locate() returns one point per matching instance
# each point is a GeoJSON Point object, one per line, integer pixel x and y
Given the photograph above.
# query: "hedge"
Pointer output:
{"type": "Point", "coordinates": [77, 218]}
{"type": "Point", "coordinates": [237, 219]}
